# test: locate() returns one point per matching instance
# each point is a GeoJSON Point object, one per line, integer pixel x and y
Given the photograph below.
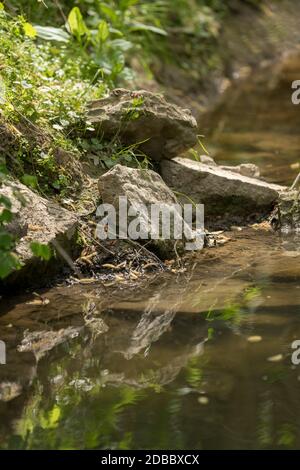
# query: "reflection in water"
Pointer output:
{"type": "Point", "coordinates": [173, 367]}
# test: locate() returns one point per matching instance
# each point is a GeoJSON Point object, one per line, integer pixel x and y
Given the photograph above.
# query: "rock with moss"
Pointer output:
{"type": "Point", "coordinates": [43, 224]}
{"type": "Point", "coordinates": [224, 193]}
{"type": "Point", "coordinates": [162, 129]}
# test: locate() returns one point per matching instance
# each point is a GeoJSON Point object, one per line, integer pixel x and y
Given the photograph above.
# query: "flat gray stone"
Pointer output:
{"type": "Point", "coordinates": [221, 191]}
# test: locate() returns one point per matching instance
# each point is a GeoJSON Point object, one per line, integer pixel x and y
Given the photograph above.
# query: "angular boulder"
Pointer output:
{"type": "Point", "coordinates": [141, 187]}
{"type": "Point", "coordinates": [37, 220]}
{"type": "Point", "coordinates": [163, 129]}
{"type": "Point", "coordinates": [223, 193]}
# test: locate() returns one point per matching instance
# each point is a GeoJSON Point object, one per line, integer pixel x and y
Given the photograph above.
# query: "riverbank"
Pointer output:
{"type": "Point", "coordinates": [63, 165]}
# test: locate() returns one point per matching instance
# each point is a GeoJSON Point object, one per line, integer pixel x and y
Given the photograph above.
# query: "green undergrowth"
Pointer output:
{"type": "Point", "coordinates": [57, 56]}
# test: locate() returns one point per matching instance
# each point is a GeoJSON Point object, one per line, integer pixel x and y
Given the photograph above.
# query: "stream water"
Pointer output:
{"type": "Point", "coordinates": [197, 360]}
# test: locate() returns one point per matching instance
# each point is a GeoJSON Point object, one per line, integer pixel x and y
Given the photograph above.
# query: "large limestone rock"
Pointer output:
{"type": "Point", "coordinates": [165, 129]}
{"type": "Point", "coordinates": [222, 192]}
{"type": "Point", "coordinates": [141, 187]}
{"type": "Point", "coordinates": [37, 220]}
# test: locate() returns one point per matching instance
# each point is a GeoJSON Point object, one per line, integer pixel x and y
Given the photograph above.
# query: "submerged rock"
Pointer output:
{"type": "Point", "coordinates": [37, 220]}
{"type": "Point", "coordinates": [222, 192]}
{"type": "Point", "coordinates": [141, 187]}
{"type": "Point", "coordinates": [163, 129]}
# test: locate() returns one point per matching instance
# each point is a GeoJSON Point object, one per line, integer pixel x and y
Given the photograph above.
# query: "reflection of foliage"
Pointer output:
{"type": "Point", "coordinates": [232, 312]}
{"type": "Point", "coordinates": [72, 418]}
{"type": "Point", "coordinates": [286, 435]}
{"type": "Point", "coordinates": [252, 293]}
{"type": "Point", "coordinates": [194, 373]}
{"type": "Point", "coordinates": [276, 373]}
{"type": "Point", "coordinates": [149, 379]}
{"type": "Point", "coordinates": [264, 428]}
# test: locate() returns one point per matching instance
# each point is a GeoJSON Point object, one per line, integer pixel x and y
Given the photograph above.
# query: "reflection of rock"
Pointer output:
{"type": "Point", "coordinates": [158, 364]}
{"type": "Point", "coordinates": [219, 190]}
{"type": "Point", "coordinates": [165, 129]}
{"type": "Point", "coordinates": [39, 220]}
{"type": "Point", "coordinates": [40, 342]}
{"type": "Point", "coordinates": [163, 375]}
{"type": "Point", "coordinates": [150, 327]}
{"type": "Point", "coordinates": [17, 374]}
{"type": "Point", "coordinates": [9, 390]}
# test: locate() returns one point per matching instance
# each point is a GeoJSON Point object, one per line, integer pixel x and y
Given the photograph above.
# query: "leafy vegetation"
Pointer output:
{"type": "Point", "coordinates": [56, 56]}
{"type": "Point", "coordinates": [8, 260]}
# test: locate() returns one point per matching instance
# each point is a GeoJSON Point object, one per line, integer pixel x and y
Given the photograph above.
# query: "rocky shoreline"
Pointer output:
{"type": "Point", "coordinates": [231, 195]}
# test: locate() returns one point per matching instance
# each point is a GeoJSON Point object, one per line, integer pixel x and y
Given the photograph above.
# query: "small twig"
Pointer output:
{"type": "Point", "coordinates": [94, 240]}
{"type": "Point", "coordinates": [295, 182]}
{"type": "Point", "coordinates": [152, 255]}
{"type": "Point", "coordinates": [61, 10]}
{"type": "Point", "coordinates": [66, 257]}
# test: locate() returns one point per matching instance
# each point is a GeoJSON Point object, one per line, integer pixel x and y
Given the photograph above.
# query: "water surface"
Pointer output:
{"type": "Point", "coordinates": [165, 366]}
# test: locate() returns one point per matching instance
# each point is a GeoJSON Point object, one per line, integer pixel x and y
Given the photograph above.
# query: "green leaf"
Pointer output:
{"type": "Point", "coordinates": [5, 201]}
{"type": "Point", "coordinates": [76, 23]}
{"type": "Point", "coordinates": [30, 180]}
{"type": "Point", "coordinates": [116, 32]}
{"type": "Point", "coordinates": [103, 31]}
{"type": "Point", "coordinates": [41, 251]}
{"type": "Point", "coordinates": [29, 30]}
{"type": "Point", "coordinates": [6, 216]}
{"type": "Point", "coordinates": [8, 263]}
{"type": "Point", "coordinates": [145, 27]}
{"type": "Point", "coordinates": [52, 34]}
{"type": "Point", "coordinates": [121, 44]}
{"type": "Point", "coordinates": [1, 6]}
{"type": "Point", "coordinates": [3, 169]}
{"type": "Point", "coordinates": [125, 4]}
{"type": "Point", "coordinates": [6, 241]}
{"type": "Point", "coordinates": [109, 12]}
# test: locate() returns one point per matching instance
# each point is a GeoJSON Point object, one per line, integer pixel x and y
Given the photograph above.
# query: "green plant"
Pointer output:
{"type": "Point", "coordinates": [41, 250]}
{"type": "Point", "coordinates": [8, 259]}
{"type": "Point", "coordinates": [107, 154]}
